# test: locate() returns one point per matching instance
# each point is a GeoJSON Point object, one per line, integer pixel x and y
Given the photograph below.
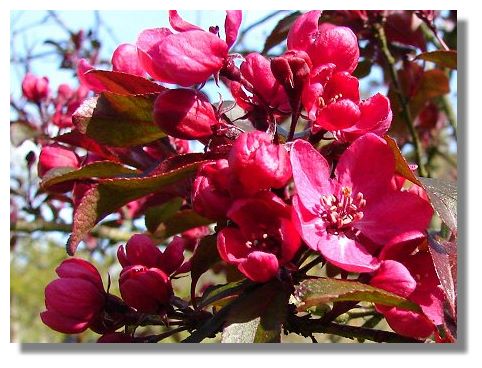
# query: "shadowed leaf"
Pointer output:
{"type": "Point", "coordinates": [443, 58]}
{"type": "Point", "coordinates": [280, 31]}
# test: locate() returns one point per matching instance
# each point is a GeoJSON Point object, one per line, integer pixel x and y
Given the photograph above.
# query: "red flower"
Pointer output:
{"type": "Point", "coordinates": [188, 57]}
{"type": "Point", "coordinates": [53, 156]}
{"type": "Point", "coordinates": [325, 44]}
{"type": "Point", "coordinates": [342, 217]}
{"type": "Point", "coordinates": [257, 163]}
{"type": "Point", "coordinates": [185, 114]}
{"type": "Point", "coordinates": [76, 299]}
{"type": "Point", "coordinates": [34, 88]}
{"type": "Point", "coordinates": [264, 240]}
{"type": "Point", "coordinates": [411, 275]}
{"type": "Point", "coordinates": [146, 289]}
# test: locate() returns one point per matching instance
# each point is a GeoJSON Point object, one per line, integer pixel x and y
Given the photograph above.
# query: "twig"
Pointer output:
{"type": "Point", "coordinates": [44, 226]}
{"type": "Point", "coordinates": [380, 32]}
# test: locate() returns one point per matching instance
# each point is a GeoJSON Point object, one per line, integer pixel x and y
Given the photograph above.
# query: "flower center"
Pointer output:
{"type": "Point", "coordinates": [265, 243]}
{"type": "Point", "coordinates": [339, 212]}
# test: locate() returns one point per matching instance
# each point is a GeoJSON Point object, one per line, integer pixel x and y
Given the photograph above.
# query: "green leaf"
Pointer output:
{"type": "Point", "coordinates": [181, 221]}
{"type": "Point", "coordinates": [124, 83]}
{"type": "Point", "coordinates": [443, 58]}
{"type": "Point", "coordinates": [323, 290]}
{"type": "Point", "coordinates": [257, 316]}
{"type": "Point", "coordinates": [205, 255]}
{"type": "Point", "coordinates": [280, 31]}
{"type": "Point", "coordinates": [109, 195]}
{"type": "Point", "coordinates": [118, 120]}
{"type": "Point", "coordinates": [21, 131]}
{"type": "Point", "coordinates": [215, 293]}
{"type": "Point", "coordinates": [443, 195]}
{"type": "Point", "coordinates": [156, 215]}
{"type": "Point", "coordinates": [101, 169]}
{"type": "Point", "coordinates": [363, 68]}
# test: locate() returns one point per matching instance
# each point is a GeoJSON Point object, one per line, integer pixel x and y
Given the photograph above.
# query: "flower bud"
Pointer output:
{"type": "Point", "coordinates": [258, 163]}
{"type": "Point", "coordinates": [35, 89]}
{"type": "Point", "coordinates": [76, 299]}
{"type": "Point", "coordinates": [52, 156]}
{"type": "Point", "coordinates": [146, 289]}
{"type": "Point", "coordinates": [185, 114]}
{"type": "Point", "coordinates": [139, 250]}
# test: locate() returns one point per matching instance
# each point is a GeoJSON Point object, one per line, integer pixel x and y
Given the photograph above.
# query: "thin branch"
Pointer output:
{"type": "Point", "coordinates": [380, 33]}
{"type": "Point", "coordinates": [100, 231]}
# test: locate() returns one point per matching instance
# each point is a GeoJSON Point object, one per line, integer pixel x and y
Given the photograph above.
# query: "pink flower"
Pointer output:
{"type": "Point", "coordinates": [76, 299]}
{"type": "Point", "coordinates": [190, 56]}
{"type": "Point", "coordinates": [336, 106]}
{"type": "Point", "coordinates": [185, 114]}
{"type": "Point", "coordinates": [264, 240]}
{"type": "Point", "coordinates": [263, 88]}
{"type": "Point", "coordinates": [325, 44]}
{"type": "Point", "coordinates": [344, 217]}
{"type": "Point", "coordinates": [210, 195]}
{"type": "Point", "coordinates": [257, 163]}
{"type": "Point", "coordinates": [411, 275]}
{"type": "Point", "coordinates": [125, 59]}
{"type": "Point", "coordinates": [35, 89]}
{"type": "Point", "coordinates": [146, 289]}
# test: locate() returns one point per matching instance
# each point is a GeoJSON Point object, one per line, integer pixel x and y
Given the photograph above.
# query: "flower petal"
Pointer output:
{"type": "Point", "coordinates": [60, 323]}
{"type": "Point", "coordinates": [231, 25]}
{"type": "Point", "coordinates": [303, 31]}
{"type": "Point", "coordinates": [125, 59]}
{"type": "Point", "coordinates": [346, 253]}
{"type": "Point", "coordinates": [338, 115]}
{"type": "Point", "coordinates": [190, 57]}
{"type": "Point", "coordinates": [232, 245]}
{"type": "Point", "coordinates": [311, 173]}
{"type": "Point", "coordinates": [180, 24]}
{"type": "Point", "coordinates": [343, 84]}
{"type": "Point", "coordinates": [367, 166]}
{"type": "Point", "coordinates": [393, 214]}
{"type": "Point", "coordinates": [259, 266]}
{"type": "Point", "coordinates": [394, 277]}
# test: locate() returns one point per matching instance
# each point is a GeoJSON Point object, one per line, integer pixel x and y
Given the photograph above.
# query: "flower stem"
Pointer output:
{"type": "Point", "coordinates": [380, 32]}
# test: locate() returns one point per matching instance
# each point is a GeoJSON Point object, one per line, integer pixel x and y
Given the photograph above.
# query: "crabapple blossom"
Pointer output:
{"type": "Point", "coordinates": [35, 89]}
{"type": "Point", "coordinates": [344, 217]}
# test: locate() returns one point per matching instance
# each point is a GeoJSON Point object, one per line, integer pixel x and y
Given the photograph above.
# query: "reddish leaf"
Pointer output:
{"type": "Point", "coordinates": [443, 195]}
{"type": "Point", "coordinates": [205, 255]}
{"type": "Point", "coordinates": [124, 83]}
{"type": "Point", "coordinates": [280, 31]}
{"type": "Point", "coordinates": [156, 215]}
{"type": "Point", "coordinates": [117, 120]}
{"type": "Point", "coordinates": [100, 169]}
{"type": "Point", "coordinates": [401, 165]}
{"type": "Point", "coordinates": [323, 290]}
{"type": "Point", "coordinates": [434, 83]}
{"type": "Point", "coordinates": [109, 195]}
{"type": "Point", "coordinates": [444, 256]}
{"type": "Point", "coordinates": [443, 58]}
{"type": "Point", "coordinates": [77, 139]}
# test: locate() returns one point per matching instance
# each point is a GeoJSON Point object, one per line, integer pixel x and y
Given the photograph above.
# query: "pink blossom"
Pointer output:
{"type": "Point", "coordinates": [35, 89]}
{"type": "Point", "coordinates": [264, 238]}
{"type": "Point", "coordinates": [344, 217]}
{"type": "Point", "coordinates": [185, 114]}
{"type": "Point", "coordinates": [188, 57]}
{"type": "Point", "coordinates": [325, 43]}
{"type": "Point", "coordinates": [76, 299]}
{"type": "Point", "coordinates": [258, 163]}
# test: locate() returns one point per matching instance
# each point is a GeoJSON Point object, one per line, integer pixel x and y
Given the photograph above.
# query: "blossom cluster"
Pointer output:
{"type": "Point", "coordinates": [271, 193]}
